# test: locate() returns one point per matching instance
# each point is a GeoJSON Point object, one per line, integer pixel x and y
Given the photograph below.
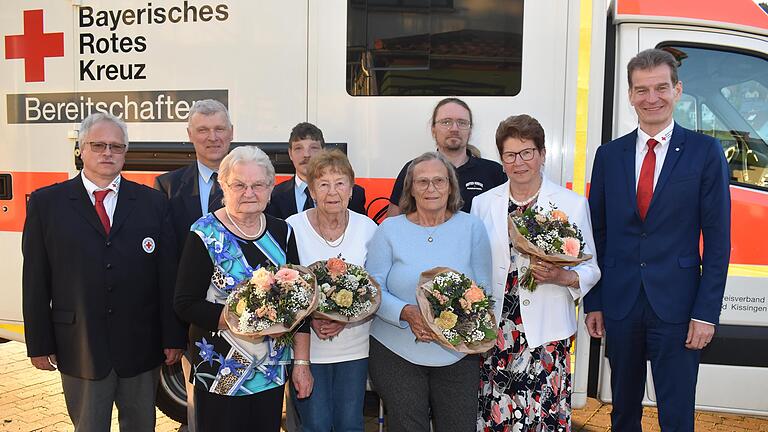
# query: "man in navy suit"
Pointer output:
{"type": "Point", "coordinates": [193, 190]}
{"type": "Point", "coordinates": [98, 280]}
{"type": "Point", "coordinates": [292, 196]}
{"type": "Point", "coordinates": [655, 193]}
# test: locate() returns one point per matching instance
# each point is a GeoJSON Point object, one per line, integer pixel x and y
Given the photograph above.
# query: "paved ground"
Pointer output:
{"type": "Point", "coordinates": [31, 400]}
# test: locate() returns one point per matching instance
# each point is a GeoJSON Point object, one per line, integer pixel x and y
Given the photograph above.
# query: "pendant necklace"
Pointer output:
{"type": "Point", "coordinates": [431, 233]}
{"type": "Point", "coordinates": [246, 235]}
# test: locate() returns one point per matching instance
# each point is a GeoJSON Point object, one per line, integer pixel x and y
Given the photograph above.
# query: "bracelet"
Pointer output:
{"type": "Point", "coordinates": [297, 362]}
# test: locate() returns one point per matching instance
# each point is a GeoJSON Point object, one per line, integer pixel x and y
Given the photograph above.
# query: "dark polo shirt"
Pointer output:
{"type": "Point", "coordinates": [476, 176]}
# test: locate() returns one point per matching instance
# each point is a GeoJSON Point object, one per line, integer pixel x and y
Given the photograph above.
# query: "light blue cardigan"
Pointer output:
{"type": "Point", "coordinates": [399, 252]}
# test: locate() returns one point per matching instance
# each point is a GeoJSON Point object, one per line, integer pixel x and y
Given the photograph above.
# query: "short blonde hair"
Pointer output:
{"type": "Point", "coordinates": [333, 160]}
{"type": "Point", "coordinates": [408, 202]}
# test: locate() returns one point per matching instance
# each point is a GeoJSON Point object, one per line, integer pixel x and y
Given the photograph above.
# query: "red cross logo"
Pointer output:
{"type": "Point", "coordinates": [148, 244]}
{"type": "Point", "coordinates": [34, 46]}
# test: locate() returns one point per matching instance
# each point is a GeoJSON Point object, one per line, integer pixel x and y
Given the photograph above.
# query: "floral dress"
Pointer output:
{"type": "Point", "coordinates": [523, 389]}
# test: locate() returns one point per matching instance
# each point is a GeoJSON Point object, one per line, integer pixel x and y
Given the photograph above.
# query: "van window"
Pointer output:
{"type": "Point", "coordinates": [725, 95]}
{"type": "Point", "coordinates": [434, 47]}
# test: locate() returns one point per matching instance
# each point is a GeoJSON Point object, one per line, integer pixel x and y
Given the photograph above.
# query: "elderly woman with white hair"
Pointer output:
{"type": "Point", "coordinates": [239, 382]}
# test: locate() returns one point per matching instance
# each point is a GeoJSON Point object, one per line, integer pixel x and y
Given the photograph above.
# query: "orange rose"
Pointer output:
{"type": "Point", "coordinates": [559, 215]}
{"type": "Point", "coordinates": [336, 267]}
{"type": "Point", "coordinates": [474, 294]}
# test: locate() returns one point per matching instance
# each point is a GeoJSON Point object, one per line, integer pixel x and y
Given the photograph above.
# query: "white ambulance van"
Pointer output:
{"type": "Point", "coordinates": [369, 72]}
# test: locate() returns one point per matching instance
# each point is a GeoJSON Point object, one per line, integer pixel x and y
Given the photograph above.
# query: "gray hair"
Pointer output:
{"type": "Point", "coordinates": [246, 154]}
{"type": "Point", "coordinates": [98, 117]}
{"type": "Point", "coordinates": [650, 59]}
{"type": "Point", "coordinates": [408, 202]}
{"type": "Point", "coordinates": [208, 107]}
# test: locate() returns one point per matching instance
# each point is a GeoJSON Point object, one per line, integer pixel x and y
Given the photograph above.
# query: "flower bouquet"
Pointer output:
{"type": "Point", "coordinates": [457, 311]}
{"type": "Point", "coordinates": [547, 236]}
{"type": "Point", "coordinates": [346, 292]}
{"type": "Point", "coordinates": [272, 302]}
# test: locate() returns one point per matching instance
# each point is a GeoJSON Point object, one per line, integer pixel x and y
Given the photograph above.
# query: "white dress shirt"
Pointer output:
{"type": "Point", "coordinates": [663, 138]}
{"type": "Point", "coordinates": [110, 201]}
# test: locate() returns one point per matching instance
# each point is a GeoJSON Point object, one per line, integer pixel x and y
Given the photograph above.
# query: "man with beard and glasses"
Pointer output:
{"type": "Point", "coordinates": [451, 127]}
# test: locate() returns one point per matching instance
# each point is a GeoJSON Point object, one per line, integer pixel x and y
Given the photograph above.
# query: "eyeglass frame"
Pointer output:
{"type": "Point", "coordinates": [505, 155]}
{"type": "Point", "coordinates": [116, 148]}
{"type": "Point", "coordinates": [447, 123]}
{"type": "Point", "coordinates": [431, 182]}
{"type": "Point", "coordinates": [257, 187]}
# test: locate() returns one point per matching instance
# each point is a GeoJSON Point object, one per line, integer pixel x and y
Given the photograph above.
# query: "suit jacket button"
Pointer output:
{"type": "Point", "coordinates": [109, 311]}
{"type": "Point", "coordinates": [526, 302]}
{"type": "Point", "coordinates": [109, 288]}
{"type": "Point", "coordinates": [642, 265]}
{"type": "Point", "coordinates": [109, 243]}
{"type": "Point", "coordinates": [644, 235]}
{"type": "Point", "coordinates": [109, 266]}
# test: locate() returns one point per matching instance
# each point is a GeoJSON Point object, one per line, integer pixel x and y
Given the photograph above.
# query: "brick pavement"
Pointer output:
{"type": "Point", "coordinates": [32, 400]}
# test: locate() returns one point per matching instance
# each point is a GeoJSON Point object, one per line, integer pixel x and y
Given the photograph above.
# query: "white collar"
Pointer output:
{"type": "Point", "coordinates": [663, 137]}
{"type": "Point", "coordinates": [91, 187]}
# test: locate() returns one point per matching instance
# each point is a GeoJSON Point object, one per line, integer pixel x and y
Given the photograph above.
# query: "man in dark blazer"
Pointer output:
{"type": "Point", "coordinates": [655, 193]}
{"type": "Point", "coordinates": [193, 188]}
{"type": "Point", "coordinates": [292, 196]}
{"type": "Point", "coordinates": [98, 281]}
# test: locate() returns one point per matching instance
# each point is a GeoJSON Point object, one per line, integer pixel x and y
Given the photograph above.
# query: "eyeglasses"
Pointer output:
{"type": "Point", "coordinates": [526, 155]}
{"type": "Point", "coordinates": [448, 123]}
{"type": "Point", "coordinates": [100, 147]}
{"type": "Point", "coordinates": [239, 187]}
{"type": "Point", "coordinates": [324, 187]}
{"type": "Point", "coordinates": [422, 184]}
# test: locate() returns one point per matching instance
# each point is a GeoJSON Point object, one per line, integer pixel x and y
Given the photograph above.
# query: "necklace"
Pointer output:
{"type": "Point", "coordinates": [430, 232]}
{"type": "Point", "coordinates": [240, 230]}
{"type": "Point", "coordinates": [526, 201]}
{"type": "Point", "coordinates": [334, 243]}
{"type": "Point", "coordinates": [430, 239]}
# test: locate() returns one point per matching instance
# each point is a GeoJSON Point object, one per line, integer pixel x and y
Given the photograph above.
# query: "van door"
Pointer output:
{"type": "Point", "coordinates": [725, 95]}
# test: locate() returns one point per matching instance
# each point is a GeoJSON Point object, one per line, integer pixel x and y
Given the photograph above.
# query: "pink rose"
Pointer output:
{"type": "Point", "coordinates": [286, 275]}
{"type": "Point", "coordinates": [571, 246]}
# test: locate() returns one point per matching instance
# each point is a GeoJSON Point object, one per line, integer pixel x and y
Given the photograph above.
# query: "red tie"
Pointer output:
{"type": "Point", "coordinates": [100, 210]}
{"type": "Point", "coordinates": [645, 183]}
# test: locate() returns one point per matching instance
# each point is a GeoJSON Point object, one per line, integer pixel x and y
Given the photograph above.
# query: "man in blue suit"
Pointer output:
{"type": "Point", "coordinates": [655, 193]}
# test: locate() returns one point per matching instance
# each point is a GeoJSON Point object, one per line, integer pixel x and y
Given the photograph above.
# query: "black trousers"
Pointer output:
{"type": "Point", "coordinates": [260, 412]}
